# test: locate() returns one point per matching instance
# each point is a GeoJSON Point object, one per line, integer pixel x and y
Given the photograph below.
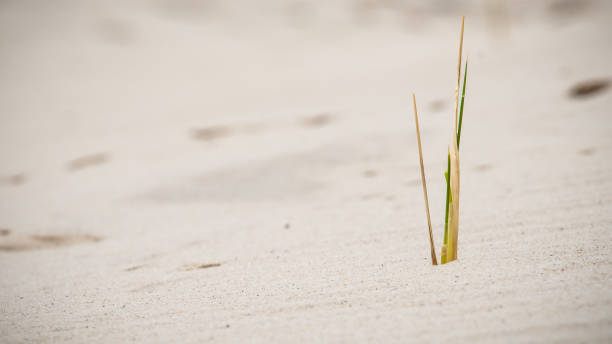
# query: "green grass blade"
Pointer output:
{"type": "Point", "coordinates": [447, 173]}
{"type": "Point", "coordinates": [447, 176]}
{"type": "Point", "coordinates": [462, 100]}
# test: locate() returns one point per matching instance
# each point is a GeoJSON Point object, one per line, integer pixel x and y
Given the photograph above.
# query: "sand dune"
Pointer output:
{"type": "Point", "coordinates": [212, 171]}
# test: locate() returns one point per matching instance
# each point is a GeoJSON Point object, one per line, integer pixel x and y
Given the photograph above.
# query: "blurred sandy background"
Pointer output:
{"type": "Point", "coordinates": [247, 171]}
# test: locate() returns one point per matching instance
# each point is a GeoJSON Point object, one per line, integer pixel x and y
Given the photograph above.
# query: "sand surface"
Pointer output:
{"type": "Point", "coordinates": [247, 171]}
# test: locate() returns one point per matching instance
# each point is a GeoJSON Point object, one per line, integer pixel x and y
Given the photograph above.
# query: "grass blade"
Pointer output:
{"type": "Point", "coordinates": [434, 260]}
{"type": "Point", "coordinates": [443, 258]}
{"type": "Point", "coordinates": [462, 100]}
{"type": "Point", "coordinates": [451, 231]}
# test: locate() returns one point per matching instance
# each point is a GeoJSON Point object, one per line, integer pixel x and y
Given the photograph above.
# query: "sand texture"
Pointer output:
{"type": "Point", "coordinates": [247, 172]}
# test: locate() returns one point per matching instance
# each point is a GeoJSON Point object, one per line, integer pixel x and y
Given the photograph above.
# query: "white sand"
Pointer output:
{"type": "Point", "coordinates": [140, 144]}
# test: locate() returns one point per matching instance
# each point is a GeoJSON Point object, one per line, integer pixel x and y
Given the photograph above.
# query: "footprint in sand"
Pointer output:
{"type": "Point", "coordinates": [587, 151]}
{"type": "Point", "coordinates": [217, 132]}
{"type": "Point", "coordinates": [211, 133]}
{"type": "Point", "coordinates": [316, 121]}
{"type": "Point", "coordinates": [370, 173]}
{"type": "Point", "coordinates": [15, 179]}
{"type": "Point", "coordinates": [87, 161]}
{"type": "Point", "coordinates": [134, 268]}
{"type": "Point", "coordinates": [588, 88]}
{"type": "Point", "coordinates": [201, 266]}
{"type": "Point", "coordinates": [10, 242]}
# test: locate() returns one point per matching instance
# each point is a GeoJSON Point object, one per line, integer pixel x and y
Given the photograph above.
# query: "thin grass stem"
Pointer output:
{"type": "Point", "coordinates": [446, 176]}
{"type": "Point", "coordinates": [434, 260]}
{"type": "Point", "coordinates": [462, 101]}
{"type": "Point", "coordinates": [451, 218]}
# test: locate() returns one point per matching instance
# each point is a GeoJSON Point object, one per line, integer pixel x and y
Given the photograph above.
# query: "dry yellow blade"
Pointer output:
{"type": "Point", "coordinates": [434, 260]}
{"type": "Point", "coordinates": [453, 215]}
{"type": "Point", "coordinates": [458, 82]}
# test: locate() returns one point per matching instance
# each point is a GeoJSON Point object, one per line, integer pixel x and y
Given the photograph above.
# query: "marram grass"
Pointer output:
{"type": "Point", "coordinates": [434, 261]}
{"type": "Point", "coordinates": [452, 173]}
{"type": "Point", "coordinates": [449, 196]}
